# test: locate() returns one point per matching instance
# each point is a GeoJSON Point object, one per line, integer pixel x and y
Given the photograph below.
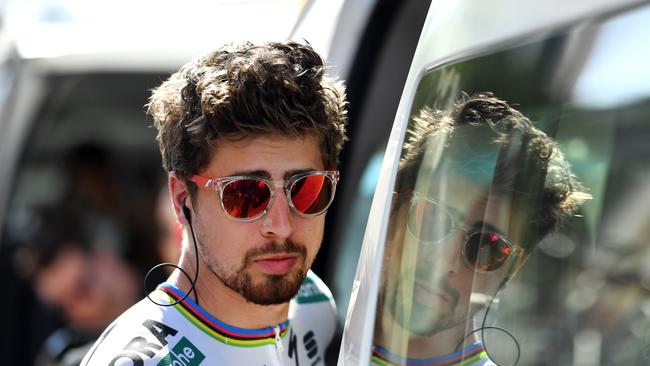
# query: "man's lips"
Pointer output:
{"type": "Point", "coordinates": [276, 264]}
{"type": "Point", "coordinates": [428, 295]}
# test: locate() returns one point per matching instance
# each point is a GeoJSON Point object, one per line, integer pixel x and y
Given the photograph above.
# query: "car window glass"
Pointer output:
{"type": "Point", "coordinates": [519, 220]}
{"type": "Point", "coordinates": [353, 236]}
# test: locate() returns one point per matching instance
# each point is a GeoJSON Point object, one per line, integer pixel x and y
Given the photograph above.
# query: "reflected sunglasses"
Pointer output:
{"type": "Point", "coordinates": [484, 250]}
{"type": "Point", "coordinates": [247, 198]}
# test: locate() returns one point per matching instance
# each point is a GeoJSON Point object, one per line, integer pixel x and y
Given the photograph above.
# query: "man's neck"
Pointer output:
{"type": "Point", "coordinates": [441, 344]}
{"type": "Point", "coordinates": [400, 341]}
{"type": "Point", "coordinates": [228, 305]}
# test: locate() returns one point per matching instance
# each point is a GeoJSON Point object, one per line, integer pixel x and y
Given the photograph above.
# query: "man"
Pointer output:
{"type": "Point", "coordinates": [250, 136]}
{"type": "Point", "coordinates": [76, 267]}
{"type": "Point", "coordinates": [477, 189]}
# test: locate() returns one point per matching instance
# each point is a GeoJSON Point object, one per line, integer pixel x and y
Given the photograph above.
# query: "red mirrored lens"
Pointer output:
{"type": "Point", "coordinates": [487, 251]}
{"type": "Point", "coordinates": [312, 194]}
{"type": "Point", "coordinates": [245, 198]}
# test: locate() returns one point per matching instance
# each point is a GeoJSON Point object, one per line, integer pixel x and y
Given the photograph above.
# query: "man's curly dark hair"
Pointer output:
{"type": "Point", "coordinates": [246, 90]}
{"type": "Point", "coordinates": [529, 166]}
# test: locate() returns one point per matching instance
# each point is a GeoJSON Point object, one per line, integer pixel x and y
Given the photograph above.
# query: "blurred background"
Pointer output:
{"type": "Point", "coordinates": [83, 208]}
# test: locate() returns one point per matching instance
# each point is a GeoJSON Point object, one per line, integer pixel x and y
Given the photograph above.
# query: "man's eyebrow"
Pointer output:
{"type": "Point", "coordinates": [265, 174]}
{"type": "Point", "coordinates": [290, 173]}
{"type": "Point", "coordinates": [488, 226]}
{"type": "Point", "coordinates": [455, 214]}
{"type": "Point", "coordinates": [255, 173]}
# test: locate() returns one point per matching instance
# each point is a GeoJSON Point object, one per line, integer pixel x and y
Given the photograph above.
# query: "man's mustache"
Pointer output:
{"type": "Point", "coordinates": [272, 247]}
{"type": "Point", "coordinates": [440, 285]}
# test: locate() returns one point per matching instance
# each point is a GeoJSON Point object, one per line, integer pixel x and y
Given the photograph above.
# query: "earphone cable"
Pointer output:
{"type": "Point", "coordinates": [196, 275]}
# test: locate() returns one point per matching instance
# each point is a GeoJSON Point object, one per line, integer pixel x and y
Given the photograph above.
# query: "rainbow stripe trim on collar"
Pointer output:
{"type": "Point", "coordinates": [217, 329]}
{"type": "Point", "coordinates": [464, 357]}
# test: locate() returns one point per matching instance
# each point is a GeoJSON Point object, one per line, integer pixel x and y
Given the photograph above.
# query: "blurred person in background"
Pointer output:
{"type": "Point", "coordinates": [478, 187]}
{"type": "Point", "coordinates": [77, 270]}
{"type": "Point", "coordinates": [86, 253]}
{"type": "Point", "coordinates": [96, 186]}
{"type": "Point", "coordinates": [250, 137]}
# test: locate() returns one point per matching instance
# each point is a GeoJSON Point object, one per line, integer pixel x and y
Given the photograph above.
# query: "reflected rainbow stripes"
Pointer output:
{"type": "Point", "coordinates": [474, 354]}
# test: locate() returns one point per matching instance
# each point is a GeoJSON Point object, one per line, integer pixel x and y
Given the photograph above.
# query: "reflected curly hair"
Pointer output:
{"type": "Point", "coordinates": [246, 90]}
{"type": "Point", "coordinates": [529, 167]}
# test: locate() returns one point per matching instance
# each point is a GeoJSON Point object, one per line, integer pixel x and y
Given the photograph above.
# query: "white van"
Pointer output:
{"type": "Point", "coordinates": [510, 221]}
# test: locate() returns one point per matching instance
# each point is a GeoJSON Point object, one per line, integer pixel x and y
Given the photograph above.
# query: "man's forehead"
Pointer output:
{"type": "Point", "coordinates": [452, 185]}
{"type": "Point", "coordinates": [263, 173]}
{"type": "Point", "coordinates": [266, 156]}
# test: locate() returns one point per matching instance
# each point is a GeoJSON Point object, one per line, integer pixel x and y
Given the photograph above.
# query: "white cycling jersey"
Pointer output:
{"type": "Point", "coordinates": [186, 335]}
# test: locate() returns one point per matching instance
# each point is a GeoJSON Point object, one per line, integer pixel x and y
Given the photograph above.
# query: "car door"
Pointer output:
{"type": "Point", "coordinates": [541, 202]}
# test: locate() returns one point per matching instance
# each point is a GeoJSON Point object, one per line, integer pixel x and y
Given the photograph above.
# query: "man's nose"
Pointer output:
{"type": "Point", "coordinates": [455, 261]}
{"type": "Point", "coordinates": [446, 256]}
{"type": "Point", "coordinates": [278, 221]}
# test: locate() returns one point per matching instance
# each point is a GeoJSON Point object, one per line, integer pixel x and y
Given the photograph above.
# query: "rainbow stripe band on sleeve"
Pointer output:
{"type": "Point", "coordinates": [217, 329]}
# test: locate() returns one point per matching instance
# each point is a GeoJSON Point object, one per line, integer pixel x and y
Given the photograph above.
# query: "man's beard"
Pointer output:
{"type": "Point", "coordinates": [425, 319]}
{"type": "Point", "coordinates": [273, 289]}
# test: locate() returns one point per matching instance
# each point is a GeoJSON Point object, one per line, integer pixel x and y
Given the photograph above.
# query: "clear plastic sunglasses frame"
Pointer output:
{"type": "Point", "coordinates": [457, 225]}
{"type": "Point", "coordinates": [219, 184]}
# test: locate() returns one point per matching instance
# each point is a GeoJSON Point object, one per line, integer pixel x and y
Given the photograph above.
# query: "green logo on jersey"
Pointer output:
{"type": "Point", "coordinates": [184, 353]}
{"type": "Point", "coordinates": [309, 293]}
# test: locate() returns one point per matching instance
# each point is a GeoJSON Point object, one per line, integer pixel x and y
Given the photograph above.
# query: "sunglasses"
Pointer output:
{"type": "Point", "coordinates": [247, 198]}
{"type": "Point", "coordinates": [483, 251]}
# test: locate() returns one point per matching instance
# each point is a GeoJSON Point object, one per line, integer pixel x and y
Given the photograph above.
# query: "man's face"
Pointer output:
{"type": "Point", "coordinates": [90, 288]}
{"type": "Point", "coordinates": [430, 285]}
{"type": "Point", "coordinates": [264, 260]}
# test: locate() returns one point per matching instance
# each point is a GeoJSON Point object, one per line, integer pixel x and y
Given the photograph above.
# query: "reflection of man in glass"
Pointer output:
{"type": "Point", "coordinates": [477, 189]}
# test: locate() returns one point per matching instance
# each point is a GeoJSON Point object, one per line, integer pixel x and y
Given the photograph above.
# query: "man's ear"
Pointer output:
{"type": "Point", "coordinates": [180, 197]}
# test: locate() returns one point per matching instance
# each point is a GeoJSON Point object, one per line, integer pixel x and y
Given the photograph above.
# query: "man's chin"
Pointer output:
{"type": "Point", "coordinates": [424, 319]}
{"type": "Point", "coordinates": [273, 289]}
{"type": "Point", "coordinates": [426, 327]}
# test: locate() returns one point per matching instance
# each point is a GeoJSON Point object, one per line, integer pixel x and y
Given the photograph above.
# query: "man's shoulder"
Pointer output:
{"type": "Point", "coordinates": [313, 311]}
{"type": "Point", "coordinates": [137, 335]}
